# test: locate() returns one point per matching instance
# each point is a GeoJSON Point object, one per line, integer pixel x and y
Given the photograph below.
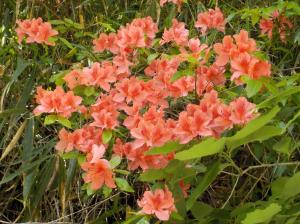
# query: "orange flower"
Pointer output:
{"type": "Point", "coordinates": [244, 43]}
{"type": "Point", "coordinates": [67, 141]}
{"type": "Point", "coordinates": [275, 20]}
{"type": "Point", "coordinates": [245, 64]}
{"type": "Point", "coordinates": [98, 173]}
{"type": "Point", "coordinates": [212, 19]}
{"type": "Point", "coordinates": [176, 33]}
{"type": "Point", "coordinates": [100, 75]}
{"type": "Point", "coordinates": [160, 203]}
{"type": "Point", "coordinates": [266, 26]}
{"type": "Point", "coordinates": [57, 101]}
{"type": "Point", "coordinates": [242, 111]}
{"type": "Point", "coordinates": [224, 50]}
{"type": "Point", "coordinates": [150, 133]}
{"type": "Point", "coordinates": [35, 30]}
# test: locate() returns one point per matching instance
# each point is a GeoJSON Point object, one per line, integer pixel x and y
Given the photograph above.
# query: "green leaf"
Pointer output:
{"type": "Point", "coordinates": [261, 134]}
{"type": "Point", "coordinates": [151, 57]}
{"type": "Point", "coordinates": [152, 175]}
{"type": "Point", "coordinates": [165, 149]}
{"type": "Point", "coordinates": [69, 155]}
{"type": "Point", "coordinates": [262, 215]}
{"type": "Point", "coordinates": [250, 128]}
{"type": "Point", "coordinates": [81, 159]}
{"type": "Point", "coordinates": [50, 119]}
{"type": "Point", "coordinates": [64, 121]}
{"type": "Point", "coordinates": [201, 210]}
{"type": "Point", "coordinates": [253, 86]}
{"type": "Point", "coordinates": [212, 173]}
{"type": "Point", "coordinates": [115, 161]}
{"type": "Point", "coordinates": [278, 97]}
{"type": "Point", "coordinates": [283, 146]}
{"type": "Point", "coordinates": [182, 73]}
{"type": "Point", "coordinates": [285, 188]}
{"type": "Point", "coordinates": [123, 185]}
{"type": "Point", "coordinates": [89, 90]}
{"type": "Point", "coordinates": [106, 191]}
{"type": "Point", "coordinates": [106, 136]}
{"type": "Point", "coordinates": [207, 147]}
{"type": "Point", "coordinates": [66, 43]}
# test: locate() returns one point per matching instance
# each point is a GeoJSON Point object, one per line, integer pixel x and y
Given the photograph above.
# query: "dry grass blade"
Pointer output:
{"type": "Point", "coordinates": [14, 141]}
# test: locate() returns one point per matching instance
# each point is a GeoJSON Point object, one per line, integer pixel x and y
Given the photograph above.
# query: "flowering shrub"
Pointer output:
{"type": "Point", "coordinates": [155, 99]}
{"type": "Point", "coordinates": [139, 102]}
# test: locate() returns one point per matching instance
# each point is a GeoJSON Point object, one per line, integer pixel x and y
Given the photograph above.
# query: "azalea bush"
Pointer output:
{"type": "Point", "coordinates": [184, 121]}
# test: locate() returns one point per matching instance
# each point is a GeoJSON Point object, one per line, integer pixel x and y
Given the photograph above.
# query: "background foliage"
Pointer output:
{"type": "Point", "coordinates": [254, 180]}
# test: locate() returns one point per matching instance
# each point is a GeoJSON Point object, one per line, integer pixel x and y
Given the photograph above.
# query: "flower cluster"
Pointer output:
{"type": "Point", "coordinates": [238, 50]}
{"type": "Point", "coordinates": [276, 20]}
{"type": "Point", "coordinates": [57, 101]}
{"type": "Point", "coordinates": [212, 19]}
{"type": "Point", "coordinates": [139, 100]}
{"type": "Point", "coordinates": [35, 30]}
{"type": "Point", "coordinates": [159, 202]}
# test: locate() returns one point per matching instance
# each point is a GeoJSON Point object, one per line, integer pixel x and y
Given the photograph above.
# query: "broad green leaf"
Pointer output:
{"type": "Point", "coordinates": [106, 191]}
{"type": "Point", "coordinates": [250, 128]}
{"type": "Point", "coordinates": [125, 172]}
{"type": "Point", "coordinates": [151, 57]}
{"type": "Point", "coordinates": [69, 155]}
{"type": "Point", "coordinates": [209, 177]}
{"type": "Point", "coordinates": [207, 147]}
{"type": "Point", "coordinates": [262, 215]}
{"type": "Point", "coordinates": [165, 149]}
{"type": "Point", "coordinates": [58, 78]}
{"type": "Point", "coordinates": [273, 100]}
{"type": "Point", "coordinates": [182, 73]}
{"type": "Point", "coordinates": [89, 91]}
{"type": "Point", "coordinates": [253, 86]}
{"type": "Point", "coordinates": [50, 119]}
{"type": "Point", "coordinates": [289, 187]}
{"type": "Point", "coordinates": [81, 159]}
{"type": "Point", "coordinates": [152, 175]}
{"type": "Point", "coordinates": [283, 146]}
{"type": "Point", "coordinates": [115, 161]}
{"type": "Point", "coordinates": [64, 121]}
{"type": "Point", "coordinates": [123, 185]}
{"type": "Point", "coordinates": [106, 136]}
{"type": "Point", "coordinates": [201, 210]}
{"type": "Point", "coordinates": [261, 134]}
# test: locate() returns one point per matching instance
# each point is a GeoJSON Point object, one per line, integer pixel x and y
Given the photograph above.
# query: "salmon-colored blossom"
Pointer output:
{"type": "Point", "coordinates": [159, 203]}
{"type": "Point", "coordinates": [176, 33]}
{"type": "Point", "coordinates": [35, 30]}
{"type": "Point", "coordinates": [212, 19]}
{"type": "Point", "coordinates": [98, 173]}
{"type": "Point", "coordinates": [246, 64]}
{"type": "Point", "coordinates": [275, 20]}
{"type": "Point", "coordinates": [57, 102]}
{"type": "Point", "coordinates": [242, 111]}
